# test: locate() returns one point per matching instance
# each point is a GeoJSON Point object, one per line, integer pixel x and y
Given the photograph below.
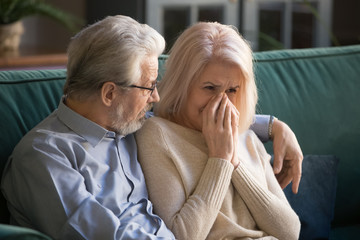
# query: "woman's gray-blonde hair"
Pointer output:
{"type": "Point", "coordinates": [197, 46]}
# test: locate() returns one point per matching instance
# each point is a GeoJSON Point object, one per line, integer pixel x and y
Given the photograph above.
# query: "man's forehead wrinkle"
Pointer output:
{"type": "Point", "coordinates": [150, 69]}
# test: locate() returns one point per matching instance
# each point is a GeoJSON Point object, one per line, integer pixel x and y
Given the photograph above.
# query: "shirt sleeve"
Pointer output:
{"type": "Point", "coordinates": [46, 192]}
{"type": "Point", "coordinates": [261, 127]}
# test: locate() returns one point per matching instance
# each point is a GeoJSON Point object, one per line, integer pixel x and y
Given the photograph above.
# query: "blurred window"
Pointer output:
{"type": "Point", "coordinates": [171, 17]}
{"type": "Point", "coordinates": [274, 24]}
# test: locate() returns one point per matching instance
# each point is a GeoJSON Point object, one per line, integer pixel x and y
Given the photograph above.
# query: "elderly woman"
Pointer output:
{"type": "Point", "coordinates": [208, 176]}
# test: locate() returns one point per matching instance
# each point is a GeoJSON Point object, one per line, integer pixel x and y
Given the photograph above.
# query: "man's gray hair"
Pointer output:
{"type": "Point", "coordinates": [111, 50]}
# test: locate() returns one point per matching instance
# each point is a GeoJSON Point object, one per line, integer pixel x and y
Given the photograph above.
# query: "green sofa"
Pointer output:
{"type": "Point", "coordinates": [315, 91]}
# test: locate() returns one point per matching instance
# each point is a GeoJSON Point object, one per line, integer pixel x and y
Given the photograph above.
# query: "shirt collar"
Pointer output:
{"type": "Point", "coordinates": [89, 130]}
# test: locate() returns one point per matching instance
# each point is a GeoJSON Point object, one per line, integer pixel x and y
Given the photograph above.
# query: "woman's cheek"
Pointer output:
{"type": "Point", "coordinates": [235, 97]}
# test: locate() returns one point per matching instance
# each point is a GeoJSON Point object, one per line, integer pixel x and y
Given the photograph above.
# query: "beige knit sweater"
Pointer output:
{"type": "Point", "coordinates": [205, 198]}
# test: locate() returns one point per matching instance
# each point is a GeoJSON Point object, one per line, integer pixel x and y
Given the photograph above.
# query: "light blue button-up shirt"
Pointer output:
{"type": "Point", "coordinates": [72, 179]}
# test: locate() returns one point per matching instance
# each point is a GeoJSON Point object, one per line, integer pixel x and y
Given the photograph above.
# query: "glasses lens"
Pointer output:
{"type": "Point", "coordinates": [153, 89]}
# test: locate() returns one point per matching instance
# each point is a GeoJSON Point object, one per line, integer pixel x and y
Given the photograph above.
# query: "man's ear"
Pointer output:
{"type": "Point", "coordinates": [108, 93]}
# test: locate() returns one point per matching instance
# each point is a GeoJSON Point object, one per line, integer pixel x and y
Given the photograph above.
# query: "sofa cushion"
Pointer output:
{"type": "Point", "coordinates": [315, 200]}
{"type": "Point", "coordinates": [345, 232]}
{"type": "Point", "coordinates": [16, 233]}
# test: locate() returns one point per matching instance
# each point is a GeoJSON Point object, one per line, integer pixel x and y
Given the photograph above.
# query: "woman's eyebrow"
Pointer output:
{"type": "Point", "coordinates": [219, 85]}
{"type": "Point", "coordinates": [208, 82]}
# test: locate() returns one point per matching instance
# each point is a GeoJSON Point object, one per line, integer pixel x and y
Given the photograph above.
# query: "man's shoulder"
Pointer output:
{"type": "Point", "coordinates": [50, 127]}
{"type": "Point", "coordinates": [45, 134]}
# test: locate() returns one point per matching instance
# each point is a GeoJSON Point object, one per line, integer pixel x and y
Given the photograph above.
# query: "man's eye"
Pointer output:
{"type": "Point", "coordinates": [153, 85]}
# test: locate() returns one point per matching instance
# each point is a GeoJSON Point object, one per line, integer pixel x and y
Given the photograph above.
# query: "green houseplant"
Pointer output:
{"type": "Point", "coordinates": [13, 11]}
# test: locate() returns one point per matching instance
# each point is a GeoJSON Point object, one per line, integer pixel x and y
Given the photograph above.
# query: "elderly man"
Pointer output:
{"type": "Point", "coordinates": [76, 174]}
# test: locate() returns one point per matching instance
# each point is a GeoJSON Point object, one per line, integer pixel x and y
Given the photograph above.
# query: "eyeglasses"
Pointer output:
{"type": "Point", "coordinates": [145, 88]}
{"type": "Point", "coordinates": [151, 89]}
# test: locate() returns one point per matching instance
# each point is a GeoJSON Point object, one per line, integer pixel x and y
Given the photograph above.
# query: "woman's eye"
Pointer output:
{"type": "Point", "coordinates": [231, 90]}
{"type": "Point", "coordinates": [209, 87]}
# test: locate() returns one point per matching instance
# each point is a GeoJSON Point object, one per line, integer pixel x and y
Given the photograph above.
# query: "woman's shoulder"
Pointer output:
{"type": "Point", "coordinates": [156, 126]}
{"type": "Point", "coordinates": [249, 135]}
{"type": "Point", "coordinates": [157, 123]}
{"type": "Point", "coordinates": [168, 131]}
{"type": "Point", "coordinates": [254, 145]}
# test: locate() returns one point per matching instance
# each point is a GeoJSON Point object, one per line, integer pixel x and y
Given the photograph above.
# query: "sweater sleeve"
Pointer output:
{"type": "Point", "coordinates": [190, 215]}
{"type": "Point", "coordinates": [266, 202]}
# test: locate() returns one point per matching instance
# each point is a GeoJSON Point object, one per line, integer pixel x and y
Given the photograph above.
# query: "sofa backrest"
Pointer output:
{"type": "Point", "coordinates": [317, 93]}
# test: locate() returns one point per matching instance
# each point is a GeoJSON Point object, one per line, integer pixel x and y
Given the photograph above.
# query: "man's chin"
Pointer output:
{"type": "Point", "coordinates": [132, 127]}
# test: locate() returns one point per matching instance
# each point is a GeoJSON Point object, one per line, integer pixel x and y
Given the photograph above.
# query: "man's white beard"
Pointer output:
{"type": "Point", "coordinates": [131, 127]}
{"type": "Point", "coordinates": [121, 125]}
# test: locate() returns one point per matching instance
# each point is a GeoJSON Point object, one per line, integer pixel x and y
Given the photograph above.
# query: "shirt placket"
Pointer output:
{"type": "Point", "coordinates": [124, 162]}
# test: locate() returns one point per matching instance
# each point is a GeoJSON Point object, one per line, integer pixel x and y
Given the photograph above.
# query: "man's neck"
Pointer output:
{"type": "Point", "coordinates": [90, 108]}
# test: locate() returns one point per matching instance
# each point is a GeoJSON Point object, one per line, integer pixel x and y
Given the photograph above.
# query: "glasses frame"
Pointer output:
{"type": "Point", "coordinates": [145, 88]}
{"type": "Point", "coordinates": [140, 87]}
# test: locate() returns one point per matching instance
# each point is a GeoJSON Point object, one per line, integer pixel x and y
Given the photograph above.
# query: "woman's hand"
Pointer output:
{"type": "Point", "coordinates": [235, 131]}
{"type": "Point", "coordinates": [220, 120]}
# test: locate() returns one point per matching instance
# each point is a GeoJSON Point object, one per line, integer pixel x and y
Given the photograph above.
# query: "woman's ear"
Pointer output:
{"type": "Point", "coordinates": [108, 93]}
